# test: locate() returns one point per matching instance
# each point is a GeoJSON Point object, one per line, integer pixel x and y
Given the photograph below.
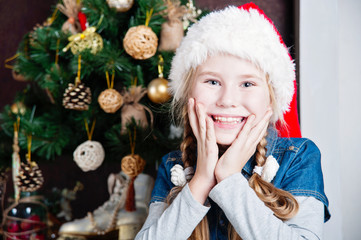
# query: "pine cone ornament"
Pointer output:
{"type": "Point", "coordinates": [30, 177]}
{"type": "Point", "coordinates": [77, 97]}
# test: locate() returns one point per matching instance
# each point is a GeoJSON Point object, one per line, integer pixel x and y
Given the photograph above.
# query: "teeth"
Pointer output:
{"type": "Point", "coordinates": [228, 120]}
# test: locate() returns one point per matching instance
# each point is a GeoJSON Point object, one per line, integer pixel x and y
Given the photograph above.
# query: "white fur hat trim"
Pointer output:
{"type": "Point", "coordinates": [243, 33]}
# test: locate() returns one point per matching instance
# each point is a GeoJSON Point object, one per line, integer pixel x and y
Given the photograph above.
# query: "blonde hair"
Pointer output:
{"type": "Point", "coordinates": [281, 202]}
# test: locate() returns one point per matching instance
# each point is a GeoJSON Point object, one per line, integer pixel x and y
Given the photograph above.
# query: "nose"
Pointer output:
{"type": "Point", "coordinates": [227, 97]}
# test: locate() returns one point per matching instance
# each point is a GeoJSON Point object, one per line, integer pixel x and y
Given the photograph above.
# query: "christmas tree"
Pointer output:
{"type": "Point", "coordinates": [97, 89]}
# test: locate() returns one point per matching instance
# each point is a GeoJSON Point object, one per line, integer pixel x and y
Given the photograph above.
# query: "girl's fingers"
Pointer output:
{"type": "Point", "coordinates": [260, 129]}
{"type": "Point", "coordinates": [193, 120]}
{"type": "Point", "coordinates": [210, 134]}
{"type": "Point", "coordinates": [201, 120]}
{"type": "Point", "coordinates": [261, 135]}
{"type": "Point", "coordinates": [243, 134]}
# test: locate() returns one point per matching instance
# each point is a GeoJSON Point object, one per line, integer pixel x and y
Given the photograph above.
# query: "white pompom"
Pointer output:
{"type": "Point", "coordinates": [270, 169]}
{"type": "Point", "coordinates": [178, 177]}
{"type": "Point", "coordinates": [89, 155]}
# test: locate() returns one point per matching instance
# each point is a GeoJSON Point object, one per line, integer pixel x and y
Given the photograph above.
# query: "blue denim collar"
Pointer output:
{"type": "Point", "coordinates": [272, 138]}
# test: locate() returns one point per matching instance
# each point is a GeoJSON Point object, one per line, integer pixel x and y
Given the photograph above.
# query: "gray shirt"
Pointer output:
{"type": "Point", "coordinates": [246, 212]}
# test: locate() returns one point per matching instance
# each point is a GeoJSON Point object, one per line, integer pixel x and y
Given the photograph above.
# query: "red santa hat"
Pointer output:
{"type": "Point", "coordinates": [248, 33]}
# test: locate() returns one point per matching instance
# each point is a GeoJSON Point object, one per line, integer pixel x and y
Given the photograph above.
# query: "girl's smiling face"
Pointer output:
{"type": "Point", "coordinates": [230, 89]}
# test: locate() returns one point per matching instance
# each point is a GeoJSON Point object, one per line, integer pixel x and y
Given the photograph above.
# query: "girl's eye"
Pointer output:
{"type": "Point", "coordinates": [213, 82]}
{"type": "Point", "coordinates": [247, 84]}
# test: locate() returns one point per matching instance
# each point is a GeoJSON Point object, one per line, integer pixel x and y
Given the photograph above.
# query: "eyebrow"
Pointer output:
{"type": "Point", "coordinates": [241, 76]}
{"type": "Point", "coordinates": [209, 73]}
{"type": "Point", "coordinates": [248, 76]}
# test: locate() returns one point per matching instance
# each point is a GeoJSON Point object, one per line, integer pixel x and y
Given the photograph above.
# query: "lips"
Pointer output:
{"type": "Point", "coordinates": [228, 120]}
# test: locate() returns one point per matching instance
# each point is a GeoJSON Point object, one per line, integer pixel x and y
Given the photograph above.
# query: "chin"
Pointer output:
{"type": "Point", "coordinates": [227, 137]}
{"type": "Point", "coordinates": [225, 140]}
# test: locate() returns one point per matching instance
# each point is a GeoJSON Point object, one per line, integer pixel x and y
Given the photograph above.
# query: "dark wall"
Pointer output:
{"type": "Point", "coordinates": [17, 17]}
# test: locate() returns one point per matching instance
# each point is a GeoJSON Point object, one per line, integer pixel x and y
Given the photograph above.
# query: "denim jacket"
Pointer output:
{"type": "Point", "coordinates": [299, 173]}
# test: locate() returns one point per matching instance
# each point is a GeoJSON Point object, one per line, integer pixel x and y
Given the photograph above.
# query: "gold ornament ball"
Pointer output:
{"type": "Point", "coordinates": [18, 108]}
{"type": "Point", "coordinates": [158, 90]}
{"type": "Point", "coordinates": [110, 100]}
{"type": "Point", "coordinates": [121, 5]}
{"type": "Point", "coordinates": [88, 39]}
{"type": "Point", "coordinates": [140, 42]}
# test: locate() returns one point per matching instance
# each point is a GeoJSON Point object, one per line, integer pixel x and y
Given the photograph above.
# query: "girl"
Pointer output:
{"type": "Point", "coordinates": [235, 178]}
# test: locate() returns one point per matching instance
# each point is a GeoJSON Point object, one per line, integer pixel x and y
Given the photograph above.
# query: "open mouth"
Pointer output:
{"type": "Point", "coordinates": [227, 120]}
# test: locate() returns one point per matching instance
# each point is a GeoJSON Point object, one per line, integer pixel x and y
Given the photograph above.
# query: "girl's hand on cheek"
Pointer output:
{"type": "Point", "coordinates": [207, 151]}
{"type": "Point", "coordinates": [242, 148]}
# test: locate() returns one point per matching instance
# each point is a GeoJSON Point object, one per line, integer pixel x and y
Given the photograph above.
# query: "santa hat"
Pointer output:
{"type": "Point", "coordinates": [245, 32]}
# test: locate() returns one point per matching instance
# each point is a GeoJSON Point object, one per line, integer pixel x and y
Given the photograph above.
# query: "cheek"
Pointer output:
{"type": "Point", "coordinates": [201, 95]}
{"type": "Point", "coordinates": [259, 105]}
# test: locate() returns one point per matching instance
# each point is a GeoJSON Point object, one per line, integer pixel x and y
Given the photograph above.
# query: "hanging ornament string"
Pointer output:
{"type": "Point", "coordinates": [160, 66]}
{"type": "Point", "coordinates": [100, 21]}
{"type": "Point", "coordinates": [89, 133]}
{"type": "Point", "coordinates": [148, 16]}
{"type": "Point", "coordinates": [133, 85]}
{"type": "Point", "coordinates": [9, 60]}
{"type": "Point", "coordinates": [132, 140]}
{"type": "Point", "coordinates": [110, 83]}
{"type": "Point", "coordinates": [77, 79]}
{"type": "Point", "coordinates": [52, 18]}
{"type": "Point", "coordinates": [26, 43]}
{"type": "Point", "coordinates": [28, 155]}
{"type": "Point", "coordinates": [30, 136]}
{"type": "Point", "coordinates": [134, 82]}
{"type": "Point", "coordinates": [57, 52]}
{"type": "Point", "coordinates": [17, 127]}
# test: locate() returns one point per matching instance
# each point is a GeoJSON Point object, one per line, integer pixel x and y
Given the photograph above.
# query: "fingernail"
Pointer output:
{"type": "Point", "coordinates": [190, 101]}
